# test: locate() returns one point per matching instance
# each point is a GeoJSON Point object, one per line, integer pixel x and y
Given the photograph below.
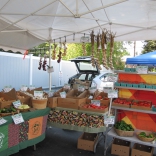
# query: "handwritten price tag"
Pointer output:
{"type": "Point", "coordinates": [142, 69]}
{"type": "Point", "coordinates": [66, 86]}
{"type": "Point", "coordinates": [17, 103]}
{"type": "Point", "coordinates": [112, 78]}
{"type": "Point", "coordinates": [109, 120]}
{"type": "Point", "coordinates": [81, 88]}
{"type": "Point", "coordinates": [63, 94]}
{"type": "Point", "coordinates": [38, 93]}
{"type": "Point", "coordinates": [113, 94]}
{"type": "Point", "coordinates": [17, 118]}
{"type": "Point", "coordinates": [2, 121]}
{"type": "Point", "coordinates": [95, 102]}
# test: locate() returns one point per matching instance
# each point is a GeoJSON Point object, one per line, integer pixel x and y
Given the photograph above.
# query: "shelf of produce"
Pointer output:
{"type": "Point", "coordinates": [133, 139]}
{"type": "Point", "coordinates": [134, 110]}
{"type": "Point", "coordinates": [147, 89]}
{"type": "Point", "coordinates": [122, 71]}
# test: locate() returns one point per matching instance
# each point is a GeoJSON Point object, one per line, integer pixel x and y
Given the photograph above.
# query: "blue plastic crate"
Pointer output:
{"type": "Point", "coordinates": [135, 85]}
{"type": "Point", "coordinates": [154, 86]}
{"type": "Point", "coordinates": [129, 84]}
{"type": "Point", "coordinates": [117, 84]}
{"type": "Point", "coordinates": [142, 85]}
{"type": "Point", "coordinates": [133, 69]}
{"type": "Point", "coordinates": [127, 69]}
{"type": "Point", "coordinates": [149, 86]}
{"type": "Point", "coordinates": [123, 84]}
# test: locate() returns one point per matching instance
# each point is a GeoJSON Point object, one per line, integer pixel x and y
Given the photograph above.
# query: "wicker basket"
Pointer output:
{"type": "Point", "coordinates": [124, 133]}
{"type": "Point", "coordinates": [39, 103]}
{"type": "Point", "coordinates": [146, 139]}
{"type": "Point", "coordinates": [8, 114]}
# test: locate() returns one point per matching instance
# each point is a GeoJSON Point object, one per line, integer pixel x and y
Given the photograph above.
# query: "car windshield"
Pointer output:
{"type": "Point", "coordinates": [86, 66]}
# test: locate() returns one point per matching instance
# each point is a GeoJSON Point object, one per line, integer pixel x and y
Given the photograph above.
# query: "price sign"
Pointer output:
{"type": "Point", "coordinates": [107, 89]}
{"type": "Point", "coordinates": [24, 88]}
{"type": "Point", "coordinates": [109, 120]}
{"type": "Point", "coordinates": [67, 86]}
{"type": "Point", "coordinates": [2, 121]}
{"type": "Point", "coordinates": [142, 69]}
{"type": "Point", "coordinates": [113, 94]}
{"type": "Point", "coordinates": [63, 94]}
{"type": "Point", "coordinates": [17, 103]}
{"type": "Point", "coordinates": [95, 102]}
{"type": "Point", "coordinates": [112, 78]}
{"type": "Point", "coordinates": [7, 88]}
{"type": "Point", "coordinates": [81, 88]}
{"type": "Point", "coordinates": [92, 90]}
{"type": "Point", "coordinates": [31, 87]}
{"type": "Point", "coordinates": [38, 93]}
{"type": "Point", "coordinates": [17, 118]}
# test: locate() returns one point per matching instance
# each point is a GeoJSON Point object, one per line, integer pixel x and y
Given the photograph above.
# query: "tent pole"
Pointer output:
{"type": "Point", "coordinates": [50, 65]}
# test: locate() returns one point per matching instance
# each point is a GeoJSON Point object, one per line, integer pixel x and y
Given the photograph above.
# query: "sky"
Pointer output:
{"type": "Point", "coordinates": [130, 48]}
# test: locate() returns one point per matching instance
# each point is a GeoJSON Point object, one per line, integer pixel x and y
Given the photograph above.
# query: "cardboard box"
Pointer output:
{"type": "Point", "coordinates": [36, 89]}
{"type": "Point", "coordinates": [25, 99]}
{"type": "Point", "coordinates": [122, 105]}
{"type": "Point", "coordinates": [74, 93]}
{"type": "Point", "coordinates": [11, 93]}
{"type": "Point", "coordinates": [52, 102]}
{"type": "Point", "coordinates": [78, 83]}
{"type": "Point", "coordinates": [87, 141]}
{"type": "Point", "coordinates": [94, 110]}
{"type": "Point", "coordinates": [102, 94]}
{"type": "Point", "coordinates": [142, 150]}
{"type": "Point", "coordinates": [141, 107]}
{"type": "Point", "coordinates": [73, 103]}
{"type": "Point", "coordinates": [5, 100]}
{"type": "Point", "coordinates": [120, 147]}
{"type": "Point", "coordinates": [57, 93]}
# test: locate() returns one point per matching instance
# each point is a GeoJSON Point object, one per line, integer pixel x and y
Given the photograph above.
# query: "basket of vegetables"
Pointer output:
{"type": "Point", "coordinates": [145, 136]}
{"type": "Point", "coordinates": [8, 111]}
{"type": "Point", "coordinates": [123, 129]}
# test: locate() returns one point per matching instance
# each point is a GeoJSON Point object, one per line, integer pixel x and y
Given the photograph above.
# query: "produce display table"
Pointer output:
{"type": "Point", "coordinates": [78, 120]}
{"type": "Point", "coordinates": [16, 137]}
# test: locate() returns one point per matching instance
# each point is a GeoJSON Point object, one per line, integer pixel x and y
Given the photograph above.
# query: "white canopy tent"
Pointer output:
{"type": "Point", "coordinates": [26, 23]}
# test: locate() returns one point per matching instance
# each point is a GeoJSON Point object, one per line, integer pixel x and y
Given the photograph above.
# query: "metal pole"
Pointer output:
{"type": "Point", "coordinates": [50, 65]}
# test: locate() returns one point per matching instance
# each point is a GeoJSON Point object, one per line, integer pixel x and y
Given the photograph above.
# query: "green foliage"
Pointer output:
{"type": "Point", "coordinates": [149, 46]}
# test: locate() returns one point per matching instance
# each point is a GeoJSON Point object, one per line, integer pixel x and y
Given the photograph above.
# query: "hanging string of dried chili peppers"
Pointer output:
{"type": "Point", "coordinates": [111, 50]}
{"type": "Point", "coordinates": [54, 51]}
{"type": "Point", "coordinates": [92, 46]}
{"type": "Point", "coordinates": [98, 51]}
{"type": "Point", "coordinates": [103, 43]}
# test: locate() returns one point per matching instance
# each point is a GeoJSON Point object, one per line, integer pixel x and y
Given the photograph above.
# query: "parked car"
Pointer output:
{"type": "Point", "coordinates": [86, 72]}
{"type": "Point", "coordinates": [101, 81]}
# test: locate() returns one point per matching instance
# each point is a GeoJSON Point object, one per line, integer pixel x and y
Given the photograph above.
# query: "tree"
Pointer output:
{"type": "Point", "coordinates": [149, 45]}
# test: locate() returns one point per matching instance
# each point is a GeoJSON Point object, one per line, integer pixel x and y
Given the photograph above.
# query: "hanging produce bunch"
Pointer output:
{"type": "Point", "coordinates": [40, 63]}
{"type": "Point", "coordinates": [84, 49]}
{"type": "Point", "coordinates": [65, 49]}
{"type": "Point", "coordinates": [54, 51]}
{"type": "Point", "coordinates": [92, 46]}
{"type": "Point", "coordinates": [44, 62]}
{"type": "Point", "coordinates": [60, 53]}
{"type": "Point", "coordinates": [103, 45]}
{"type": "Point", "coordinates": [111, 50]}
{"type": "Point", "coordinates": [98, 52]}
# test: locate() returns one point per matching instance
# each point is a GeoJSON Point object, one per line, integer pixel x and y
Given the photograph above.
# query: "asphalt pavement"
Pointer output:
{"type": "Point", "coordinates": [61, 142]}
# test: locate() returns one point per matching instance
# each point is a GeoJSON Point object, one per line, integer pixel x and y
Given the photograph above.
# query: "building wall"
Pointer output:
{"type": "Point", "coordinates": [16, 71]}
